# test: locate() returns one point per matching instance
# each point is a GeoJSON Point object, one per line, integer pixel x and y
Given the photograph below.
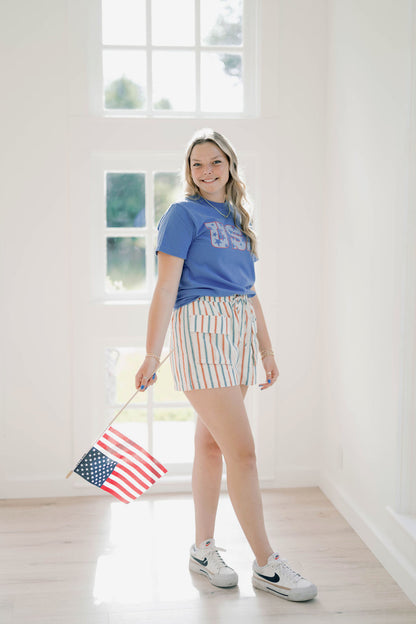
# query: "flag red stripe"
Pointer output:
{"type": "Point", "coordinates": [103, 487]}
{"type": "Point", "coordinates": [133, 476]}
{"type": "Point", "coordinates": [115, 473]}
{"type": "Point", "coordinates": [126, 459]}
{"type": "Point", "coordinates": [124, 448]}
{"type": "Point", "coordinates": [139, 448]}
{"type": "Point", "coordinates": [120, 487]}
{"type": "Point", "coordinates": [132, 453]}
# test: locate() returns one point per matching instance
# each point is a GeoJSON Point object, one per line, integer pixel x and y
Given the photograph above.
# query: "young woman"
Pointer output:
{"type": "Point", "coordinates": [206, 252]}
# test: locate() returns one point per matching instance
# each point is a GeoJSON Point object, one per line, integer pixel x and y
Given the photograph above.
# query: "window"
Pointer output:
{"type": "Point", "coordinates": [126, 231]}
{"type": "Point", "coordinates": [131, 199]}
{"type": "Point", "coordinates": [177, 57]}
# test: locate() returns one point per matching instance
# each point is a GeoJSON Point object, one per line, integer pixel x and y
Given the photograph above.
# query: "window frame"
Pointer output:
{"type": "Point", "coordinates": [248, 49]}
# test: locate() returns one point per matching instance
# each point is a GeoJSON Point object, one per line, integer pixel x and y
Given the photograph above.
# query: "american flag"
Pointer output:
{"type": "Point", "coordinates": [119, 466]}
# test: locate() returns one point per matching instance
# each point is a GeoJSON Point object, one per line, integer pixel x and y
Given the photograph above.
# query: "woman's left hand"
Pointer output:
{"type": "Point", "coordinates": [271, 370]}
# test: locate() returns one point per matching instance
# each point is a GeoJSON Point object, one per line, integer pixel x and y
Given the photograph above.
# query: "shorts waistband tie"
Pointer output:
{"type": "Point", "coordinates": [230, 298]}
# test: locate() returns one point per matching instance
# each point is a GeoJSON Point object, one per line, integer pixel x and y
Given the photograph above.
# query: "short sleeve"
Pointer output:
{"type": "Point", "coordinates": [176, 232]}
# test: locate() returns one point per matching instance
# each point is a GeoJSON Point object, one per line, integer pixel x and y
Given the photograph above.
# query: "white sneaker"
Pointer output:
{"type": "Point", "coordinates": [279, 579]}
{"type": "Point", "coordinates": [206, 560]}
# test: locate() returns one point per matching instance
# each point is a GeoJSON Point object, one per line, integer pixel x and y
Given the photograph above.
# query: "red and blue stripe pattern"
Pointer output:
{"type": "Point", "coordinates": [214, 343]}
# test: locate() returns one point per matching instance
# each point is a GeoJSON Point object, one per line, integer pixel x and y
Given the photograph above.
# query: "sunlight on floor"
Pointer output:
{"type": "Point", "coordinates": [131, 570]}
{"type": "Point", "coordinates": [145, 560]}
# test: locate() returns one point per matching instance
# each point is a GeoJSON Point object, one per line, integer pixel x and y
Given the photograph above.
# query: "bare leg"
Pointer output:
{"type": "Point", "coordinates": [206, 482]}
{"type": "Point", "coordinates": [223, 413]}
{"type": "Point", "coordinates": [206, 479]}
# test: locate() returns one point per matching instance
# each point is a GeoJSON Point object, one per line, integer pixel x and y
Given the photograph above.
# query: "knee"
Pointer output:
{"type": "Point", "coordinates": [207, 446]}
{"type": "Point", "coordinates": [243, 456]}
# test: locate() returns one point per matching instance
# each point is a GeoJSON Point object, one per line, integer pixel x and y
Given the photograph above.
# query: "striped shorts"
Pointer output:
{"type": "Point", "coordinates": [214, 343]}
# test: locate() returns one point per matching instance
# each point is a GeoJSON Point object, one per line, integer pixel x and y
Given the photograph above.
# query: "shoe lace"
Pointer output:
{"type": "Point", "coordinates": [293, 576]}
{"type": "Point", "coordinates": [216, 558]}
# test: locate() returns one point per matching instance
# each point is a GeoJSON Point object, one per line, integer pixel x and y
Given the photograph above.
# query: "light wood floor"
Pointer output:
{"type": "Point", "coordinates": [95, 561]}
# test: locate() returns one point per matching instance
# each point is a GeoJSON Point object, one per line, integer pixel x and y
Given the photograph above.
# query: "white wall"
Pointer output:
{"type": "Point", "coordinates": [300, 63]}
{"type": "Point", "coordinates": [369, 95]}
{"type": "Point", "coordinates": [35, 329]}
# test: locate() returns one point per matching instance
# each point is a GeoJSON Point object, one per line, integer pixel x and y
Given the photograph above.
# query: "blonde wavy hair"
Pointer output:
{"type": "Point", "coordinates": [235, 190]}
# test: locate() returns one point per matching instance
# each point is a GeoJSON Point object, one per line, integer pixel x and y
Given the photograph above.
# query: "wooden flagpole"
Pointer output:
{"type": "Point", "coordinates": [118, 414]}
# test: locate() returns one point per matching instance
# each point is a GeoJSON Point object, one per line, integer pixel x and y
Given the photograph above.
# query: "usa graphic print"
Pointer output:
{"type": "Point", "coordinates": [119, 466]}
{"type": "Point", "coordinates": [222, 236]}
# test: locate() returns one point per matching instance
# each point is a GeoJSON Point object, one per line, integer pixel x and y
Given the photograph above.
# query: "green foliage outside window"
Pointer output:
{"type": "Point", "coordinates": [126, 263]}
{"type": "Point", "coordinates": [126, 200]}
{"type": "Point", "coordinates": [163, 104]}
{"type": "Point", "coordinates": [124, 93]}
{"type": "Point", "coordinates": [228, 30]}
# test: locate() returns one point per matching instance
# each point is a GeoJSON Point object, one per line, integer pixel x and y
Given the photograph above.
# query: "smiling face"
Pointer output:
{"type": "Point", "coordinates": [210, 170]}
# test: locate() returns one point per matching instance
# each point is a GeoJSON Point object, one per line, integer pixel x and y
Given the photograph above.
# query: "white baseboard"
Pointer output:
{"type": "Point", "coordinates": [75, 486]}
{"type": "Point", "coordinates": [397, 563]}
{"type": "Point", "coordinates": [57, 487]}
{"type": "Point", "coordinates": [295, 476]}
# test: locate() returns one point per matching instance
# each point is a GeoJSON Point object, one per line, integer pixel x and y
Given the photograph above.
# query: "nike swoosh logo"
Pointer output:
{"type": "Point", "coordinates": [271, 579]}
{"type": "Point", "coordinates": [200, 561]}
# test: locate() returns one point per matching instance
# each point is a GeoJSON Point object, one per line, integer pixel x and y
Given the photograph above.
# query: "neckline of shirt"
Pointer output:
{"type": "Point", "coordinates": [200, 200]}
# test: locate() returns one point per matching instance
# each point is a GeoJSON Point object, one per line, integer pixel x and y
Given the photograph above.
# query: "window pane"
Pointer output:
{"type": "Point", "coordinates": [126, 200]}
{"type": "Point", "coordinates": [167, 190]}
{"type": "Point", "coordinates": [126, 264]}
{"type": "Point", "coordinates": [174, 430]}
{"type": "Point", "coordinates": [122, 364]}
{"type": "Point", "coordinates": [221, 82]}
{"type": "Point", "coordinates": [221, 22]}
{"type": "Point", "coordinates": [168, 91]}
{"type": "Point", "coordinates": [124, 22]}
{"type": "Point", "coordinates": [124, 74]}
{"type": "Point", "coordinates": [173, 22]}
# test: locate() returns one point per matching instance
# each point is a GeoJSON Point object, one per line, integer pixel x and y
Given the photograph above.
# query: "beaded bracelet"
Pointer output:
{"type": "Point", "coordinates": [266, 352]}
{"type": "Point", "coordinates": [153, 356]}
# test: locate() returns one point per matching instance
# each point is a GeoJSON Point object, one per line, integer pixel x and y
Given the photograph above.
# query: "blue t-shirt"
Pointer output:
{"type": "Point", "coordinates": [217, 257]}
